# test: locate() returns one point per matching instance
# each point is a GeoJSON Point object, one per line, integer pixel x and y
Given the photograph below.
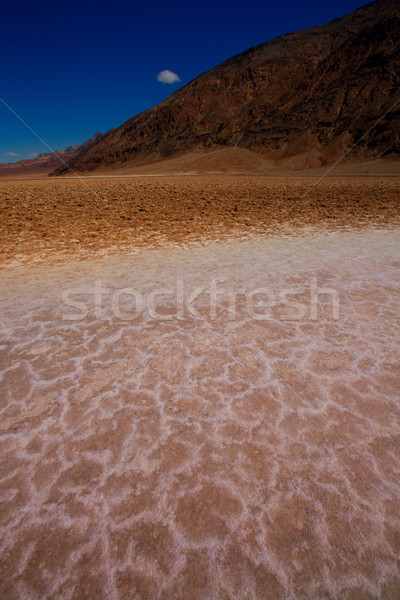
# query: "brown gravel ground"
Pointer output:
{"type": "Point", "coordinates": [54, 219]}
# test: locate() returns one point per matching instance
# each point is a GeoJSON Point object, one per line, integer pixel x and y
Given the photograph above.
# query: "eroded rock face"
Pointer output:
{"type": "Point", "coordinates": [313, 92]}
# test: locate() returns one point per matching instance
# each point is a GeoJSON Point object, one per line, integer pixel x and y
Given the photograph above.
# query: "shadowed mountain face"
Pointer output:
{"type": "Point", "coordinates": [310, 94]}
{"type": "Point", "coordinates": [44, 163]}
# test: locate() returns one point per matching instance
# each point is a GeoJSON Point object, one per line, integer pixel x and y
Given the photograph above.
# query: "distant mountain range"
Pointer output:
{"type": "Point", "coordinates": [301, 100]}
{"type": "Point", "coordinates": [45, 163]}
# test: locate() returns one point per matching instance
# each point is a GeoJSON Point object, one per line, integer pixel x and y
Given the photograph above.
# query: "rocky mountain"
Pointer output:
{"type": "Point", "coordinates": [307, 96]}
{"type": "Point", "coordinates": [45, 163]}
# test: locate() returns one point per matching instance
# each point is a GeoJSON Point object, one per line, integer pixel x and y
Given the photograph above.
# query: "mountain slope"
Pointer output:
{"type": "Point", "coordinates": [309, 94]}
{"type": "Point", "coordinates": [45, 163]}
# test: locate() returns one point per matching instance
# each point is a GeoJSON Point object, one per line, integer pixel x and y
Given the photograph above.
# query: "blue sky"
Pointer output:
{"type": "Point", "coordinates": [70, 70]}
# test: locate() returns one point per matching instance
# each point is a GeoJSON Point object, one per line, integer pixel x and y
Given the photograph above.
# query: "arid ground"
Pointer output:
{"type": "Point", "coordinates": [65, 218]}
{"type": "Point", "coordinates": [200, 388]}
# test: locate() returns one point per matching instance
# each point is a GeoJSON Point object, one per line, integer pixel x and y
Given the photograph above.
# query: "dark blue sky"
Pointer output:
{"type": "Point", "coordinates": [71, 69]}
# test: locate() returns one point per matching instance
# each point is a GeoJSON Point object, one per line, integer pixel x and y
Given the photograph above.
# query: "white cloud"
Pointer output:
{"type": "Point", "coordinates": [167, 76]}
{"type": "Point", "coordinates": [33, 154]}
{"type": "Point", "coordinates": [11, 154]}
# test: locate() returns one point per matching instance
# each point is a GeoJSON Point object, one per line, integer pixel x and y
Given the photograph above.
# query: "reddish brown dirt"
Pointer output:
{"type": "Point", "coordinates": [53, 219]}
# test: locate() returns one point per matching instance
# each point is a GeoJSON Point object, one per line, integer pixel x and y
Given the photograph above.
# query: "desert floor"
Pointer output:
{"type": "Point", "coordinates": [55, 219]}
{"type": "Point", "coordinates": [200, 388]}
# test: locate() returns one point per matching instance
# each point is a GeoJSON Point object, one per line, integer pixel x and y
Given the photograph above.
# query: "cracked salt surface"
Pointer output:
{"type": "Point", "coordinates": [197, 451]}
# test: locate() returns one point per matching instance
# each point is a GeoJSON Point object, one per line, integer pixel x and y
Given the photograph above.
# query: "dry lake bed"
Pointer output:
{"type": "Point", "coordinates": [200, 388]}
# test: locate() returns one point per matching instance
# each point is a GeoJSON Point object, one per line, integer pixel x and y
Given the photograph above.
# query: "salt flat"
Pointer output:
{"type": "Point", "coordinates": [204, 422]}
